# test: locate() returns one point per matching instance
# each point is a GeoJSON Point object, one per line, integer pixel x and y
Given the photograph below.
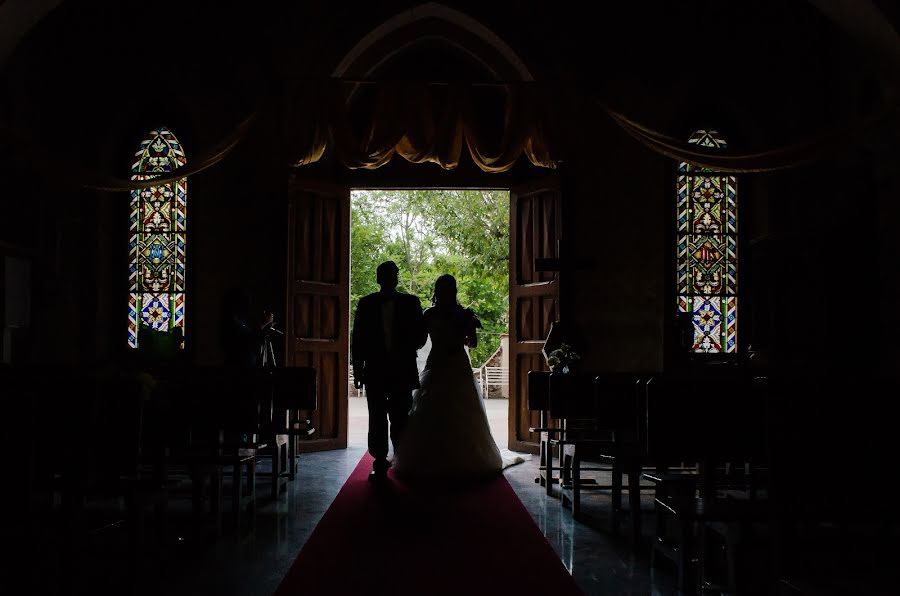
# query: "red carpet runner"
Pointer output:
{"type": "Point", "coordinates": [392, 540]}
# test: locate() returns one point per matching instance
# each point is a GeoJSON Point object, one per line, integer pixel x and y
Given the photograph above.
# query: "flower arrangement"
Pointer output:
{"type": "Point", "coordinates": [564, 357]}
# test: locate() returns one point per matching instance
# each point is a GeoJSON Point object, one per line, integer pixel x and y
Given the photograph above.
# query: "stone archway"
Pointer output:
{"type": "Point", "coordinates": [427, 22]}
{"type": "Point", "coordinates": [399, 47]}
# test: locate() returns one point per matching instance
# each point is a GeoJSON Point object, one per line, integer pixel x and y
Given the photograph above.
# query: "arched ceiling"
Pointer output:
{"type": "Point", "coordinates": [17, 18]}
{"type": "Point", "coordinates": [354, 62]}
{"type": "Point", "coordinates": [859, 17]}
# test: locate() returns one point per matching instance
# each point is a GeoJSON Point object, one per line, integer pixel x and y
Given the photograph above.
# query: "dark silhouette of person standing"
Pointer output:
{"type": "Point", "coordinates": [243, 336]}
{"type": "Point", "coordinates": [387, 330]}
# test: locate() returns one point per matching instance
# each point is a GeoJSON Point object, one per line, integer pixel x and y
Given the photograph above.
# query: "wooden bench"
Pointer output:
{"type": "Point", "coordinates": [690, 513]}
{"type": "Point", "coordinates": [294, 391]}
{"type": "Point", "coordinates": [612, 401]}
{"type": "Point", "coordinates": [206, 470]}
{"type": "Point", "coordinates": [572, 408]}
{"type": "Point", "coordinates": [668, 485]}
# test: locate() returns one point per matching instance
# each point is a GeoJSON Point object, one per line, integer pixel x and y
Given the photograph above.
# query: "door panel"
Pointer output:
{"type": "Point", "coordinates": [535, 226]}
{"type": "Point", "coordinates": [318, 302]}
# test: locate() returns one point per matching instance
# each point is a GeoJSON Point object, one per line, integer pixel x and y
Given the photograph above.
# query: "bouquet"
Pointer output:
{"type": "Point", "coordinates": [564, 356]}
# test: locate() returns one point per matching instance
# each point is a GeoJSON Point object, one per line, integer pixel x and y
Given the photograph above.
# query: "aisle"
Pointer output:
{"type": "Point", "coordinates": [389, 539]}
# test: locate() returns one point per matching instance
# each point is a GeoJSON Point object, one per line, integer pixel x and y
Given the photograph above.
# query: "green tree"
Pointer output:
{"type": "Point", "coordinates": [464, 233]}
{"type": "Point", "coordinates": [368, 239]}
{"type": "Point", "coordinates": [473, 223]}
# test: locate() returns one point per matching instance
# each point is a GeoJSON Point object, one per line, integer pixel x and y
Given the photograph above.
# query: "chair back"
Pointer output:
{"type": "Point", "coordinates": [247, 395]}
{"type": "Point", "coordinates": [117, 434]}
{"type": "Point", "coordinates": [697, 417]}
{"type": "Point", "coordinates": [230, 400]}
{"type": "Point", "coordinates": [37, 420]}
{"type": "Point", "coordinates": [294, 388]}
{"type": "Point", "coordinates": [832, 441]}
{"type": "Point", "coordinates": [572, 396]}
{"type": "Point", "coordinates": [538, 390]}
{"type": "Point", "coordinates": [620, 405]}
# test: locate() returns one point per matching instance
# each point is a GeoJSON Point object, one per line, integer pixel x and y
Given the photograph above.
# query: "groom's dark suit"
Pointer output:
{"type": "Point", "coordinates": [387, 331]}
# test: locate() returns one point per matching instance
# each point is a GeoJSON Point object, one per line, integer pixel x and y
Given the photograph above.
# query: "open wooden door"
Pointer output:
{"type": "Point", "coordinates": [318, 297]}
{"type": "Point", "coordinates": [534, 232]}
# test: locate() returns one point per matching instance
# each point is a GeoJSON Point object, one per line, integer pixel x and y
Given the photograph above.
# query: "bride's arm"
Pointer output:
{"type": "Point", "coordinates": [472, 329]}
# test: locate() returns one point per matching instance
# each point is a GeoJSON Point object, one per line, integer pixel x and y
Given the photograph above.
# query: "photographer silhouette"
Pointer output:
{"type": "Point", "coordinates": [246, 340]}
{"type": "Point", "coordinates": [267, 354]}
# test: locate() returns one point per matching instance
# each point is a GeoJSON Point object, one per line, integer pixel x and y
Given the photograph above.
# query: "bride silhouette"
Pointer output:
{"type": "Point", "coordinates": [448, 438]}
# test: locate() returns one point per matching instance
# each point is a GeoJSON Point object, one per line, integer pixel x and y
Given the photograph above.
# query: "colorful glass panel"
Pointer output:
{"type": "Point", "coordinates": [715, 331]}
{"type": "Point", "coordinates": [157, 238]}
{"type": "Point", "coordinates": [707, 250]}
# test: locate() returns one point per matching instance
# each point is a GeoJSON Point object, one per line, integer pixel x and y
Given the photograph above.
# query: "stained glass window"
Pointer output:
{"type": "Point", "coordinates": [707, 251]}
{"type": "Point", "coordinates": [157, 238]}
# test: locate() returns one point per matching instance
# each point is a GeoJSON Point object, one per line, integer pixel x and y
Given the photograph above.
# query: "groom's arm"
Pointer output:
{"type": "Point", "coordinates": [357, 345]}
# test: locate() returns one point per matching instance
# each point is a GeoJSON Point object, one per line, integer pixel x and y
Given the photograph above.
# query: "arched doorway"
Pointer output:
{"type": "Point", "coordinates": [317, 306]}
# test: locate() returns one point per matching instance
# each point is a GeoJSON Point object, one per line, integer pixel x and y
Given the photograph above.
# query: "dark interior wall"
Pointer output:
{"type": "Point", "coordinates": [90, 81]}
{"type": "Point", "coordinates": [617, 217]}
{"type": "Point", "coordinates": [886, 181]}
{"type": "Point", "coordinates": [834, 298]}
{"type": "Point", "coordinates": [742, 71]}
{"type": "Point", "coordinates": [886, 192]}
{"type": "Point", "coordinates": [89, 84]}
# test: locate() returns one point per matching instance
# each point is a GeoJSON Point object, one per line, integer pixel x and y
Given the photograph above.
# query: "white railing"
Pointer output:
{"type": "Point", "coordinates": [497, 376]}
{"type": "Point", "coordinates": [486, 376]}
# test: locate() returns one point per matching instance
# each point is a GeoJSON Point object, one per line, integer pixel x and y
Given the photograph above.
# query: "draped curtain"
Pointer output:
{"type": "Point", "coordinates": [366, 124]}
{"type": "Point", "coordinates": [860, 20]}
{"type": "Point", "coordinates": [498, 124]}
{"type": "Point", "coordinates": [767, 160]}
{"type": "Point", "coordinates": [435, 123]}
{"type": "Point", "coordinates": [56, 167]}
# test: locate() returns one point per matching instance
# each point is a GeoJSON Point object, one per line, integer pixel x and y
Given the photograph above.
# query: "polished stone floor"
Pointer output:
{"type": "Point", "coordinates": [599, 562]}
{"type": "Point", "coordinates": [253, 560]}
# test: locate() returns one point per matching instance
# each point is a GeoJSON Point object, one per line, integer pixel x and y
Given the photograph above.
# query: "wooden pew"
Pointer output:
{"type": "Point", "coordinates": [209, 425]}
{"type": "Point", "coordinates": [833, 448]}
{"type": "Point", "coordinates": [293, 391]}
{"type": "Point", "coordinates": [713, 420]}
{"type": "Point", "coordinates": [573, 409]}
{"type": "Point", "coordinates": [612, 400]}
{"type": "Point", "coordinates": [538, 394]}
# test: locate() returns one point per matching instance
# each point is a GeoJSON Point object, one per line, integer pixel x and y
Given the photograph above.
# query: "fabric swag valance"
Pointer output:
{"type": "Point", "coordinates": [366, 124]}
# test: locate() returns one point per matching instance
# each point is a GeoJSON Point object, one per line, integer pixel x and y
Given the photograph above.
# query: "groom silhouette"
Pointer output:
{"type": "Point", "coordinates": [387, 330]}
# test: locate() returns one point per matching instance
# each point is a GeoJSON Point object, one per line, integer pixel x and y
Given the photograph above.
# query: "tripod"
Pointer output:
{"type": "Point", "coordinates": [266, 350]}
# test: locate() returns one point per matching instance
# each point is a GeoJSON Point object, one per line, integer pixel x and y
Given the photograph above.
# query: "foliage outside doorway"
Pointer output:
{"type": "Point", "coordinates": [431, 232]}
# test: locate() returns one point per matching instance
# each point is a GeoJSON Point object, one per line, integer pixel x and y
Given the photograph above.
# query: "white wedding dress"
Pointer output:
{"type": "Point", "coordinates": [448, 437]}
